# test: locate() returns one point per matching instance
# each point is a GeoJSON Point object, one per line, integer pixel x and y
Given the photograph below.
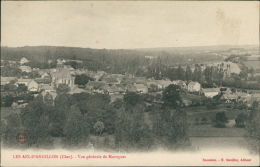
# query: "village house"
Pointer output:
{"type": "Point", "coordinates": [210, 92]}
{"type": "Point", "coordinates": [43, 80]}
{"type": "Point", "coordinates": [130, 88]}
{"type": "Point", "coordinates": [49, 61]}
{"type": "Point", "coordinates": [23, 81]}
{"type": "Point", "coordinates": [47, 88]}
{"type": "Point", "coordinates": [121, 88]}
{"type": "Point", "coordinates": [225, 90]}
{"type": "Point", "coordinates": [140, 88]}
{"type": "Point", "coordinates": [115, 89]}
{"type": "Point", "coordinates": [4, 81]}
{"type": "Point", "coordinates": [119, 77]}
{"type": "Point", "coordinates": [242, 94]}
{"type": "Point", "coordinates": [99, 87]}
{"type": "Point", "coordinates": [7, 80]}
{"type": "Point", "coordinates": [23, 61]}
{"type": "Point", "coordinates": [25, 69]}
{"type": "Point", "coordinates": [33, 86]}
{"type": "Point", "coordinates": [254, 97]}
{"type": "Point", "coordinates": [63, 61]}
{"type": "Point", "coordinates": [245, 99]}
{"type": "Point", "coordinates": [193, 87]}
{"type": "Point", "coordinates": [111, 80]}
{"type": "Point", "coordinates": [91, 85]}
{"type": "Point", "coordinates": [30, 83]}
{"type": "Point", "coordinates": [228, 98]}
{"type": "Point", "coordinates": [182, 84]}
{"type": "Point", "coordinates": [44, 75]}
{"type": "Point", "coordinates": [76, 89]}
{"type": "Point", "coordinates": [108, 90]}
{"type": "Point", "coordinates": [152, 86]}
{"type": "Point", "coordinates": [165, 84]}
{"type": "Point", "coordinates": [137, 80]}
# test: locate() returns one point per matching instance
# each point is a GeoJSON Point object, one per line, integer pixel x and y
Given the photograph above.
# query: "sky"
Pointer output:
{"type": "Point", "coordinates": [129, 24]}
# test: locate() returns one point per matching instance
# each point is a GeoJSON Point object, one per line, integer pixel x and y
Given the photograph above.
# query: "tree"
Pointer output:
{"type": "Point", "coordinates": [94, 113]}
{"type": "Point", "coordinates": [53, 64]}
{"type": "Point", "coordinates": [22, 88]}
{"type": "Point", "coordinates": [99, 127]}
{"type": "Point", "coordinates": [170, 128]}
{"type": "Point", "coordinates": [131, 130]}
{"type": "Point", "coordinates": [158, 97]}
{"type": "Point", "coordinates": [76, 129]}
{"type": "Point", "coordinates": [62, 104]}
{"type": "Point", "coordinates": [82, 79]}
{"type": "Point", "coordinates": [131, 98]}
{"type": "Point", "coordinates": [109, 117]}
{"type": "Point", "coordinates": [8, 100]}
{"type": "Point", "coordinates": [221, 120]}
{"type": "Point", "coordinates": [208, 74]}
{"type": "Point", "coordinates": [62, 89]}
{"type": "Point", "coordinates": [74, 64]}
{"type": "Point", "coordinates": [199, 74]}
{"type": "Point", "coordinates": [153, 88]}
{"type": "Point", "coordinates": [211, 103]}
{"type": "Point", "coordinates": [181, 73]}
{"type": "Point", "coordinates": [118, 103]}
{"type": "Point", "coordinates": [188, 73]}
{"type": "Point", "coordinates": [252, 128]}
{"type": "Point", "coordinates": [12, 128]}
{"type": "Point", "coordinates": [36, 123]}
{"type": "Point", "coordinates": [48, 99]}
{"type": "Point", "coordinates": [241, 120]}
{"type": "Point", "coordinates": [171, 96]}
{"type": "Point", "coordinates": [178, 132]}
{"type": "Point", "coordinates": [233, 90]}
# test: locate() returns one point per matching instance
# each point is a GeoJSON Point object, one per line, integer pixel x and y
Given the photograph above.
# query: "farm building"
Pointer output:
{"type": "Point", "coordinates": [193, 87]}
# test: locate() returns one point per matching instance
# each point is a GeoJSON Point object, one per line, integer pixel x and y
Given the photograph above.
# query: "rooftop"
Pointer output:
{"type": "Point", "coordinates": [206, 90]}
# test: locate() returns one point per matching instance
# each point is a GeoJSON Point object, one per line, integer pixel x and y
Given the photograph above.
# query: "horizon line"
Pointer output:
{"type": "Point", "coordinates": [127, 48]}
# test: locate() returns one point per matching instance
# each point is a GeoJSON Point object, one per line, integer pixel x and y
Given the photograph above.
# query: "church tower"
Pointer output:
{"type": "Point", "coordinates": [60, 66]}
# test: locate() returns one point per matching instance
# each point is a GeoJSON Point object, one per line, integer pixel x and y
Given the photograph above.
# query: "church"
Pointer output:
{"type": "Point", "coordinates": [62, 75]}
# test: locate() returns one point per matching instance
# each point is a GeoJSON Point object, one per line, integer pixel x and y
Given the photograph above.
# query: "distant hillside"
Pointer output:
{"type": "Point", "coordinates": [199, 48]}
{"type": "Point", "coordinates": [41, 53]}
{"type": "Point", "coordinates": [112, 61]}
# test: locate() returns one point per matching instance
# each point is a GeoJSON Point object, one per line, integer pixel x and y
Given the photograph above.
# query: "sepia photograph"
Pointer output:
{"type": "Point", "coordinates": [133, 83]}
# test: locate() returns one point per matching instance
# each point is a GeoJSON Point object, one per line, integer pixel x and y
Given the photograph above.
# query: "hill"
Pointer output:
{"type": "Point", "coordinates": [199, 48]}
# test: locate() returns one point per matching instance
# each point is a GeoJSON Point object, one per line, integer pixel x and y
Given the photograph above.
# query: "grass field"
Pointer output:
{"type": "Point", "coordinates": [252, 64]}
{"type": "Point", "coordinates": [201, 111]}
{"type": "Point", "coordinates": [191, 97]}
{"type": "Point", "coordinates": [207, 130]}
{"type": "Point", "coordinates": [210, 131]}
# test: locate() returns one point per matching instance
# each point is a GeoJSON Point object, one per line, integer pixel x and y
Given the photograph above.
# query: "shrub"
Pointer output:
{"type": "Point", "coordinates": [242, 106]}
{"type": "Point", "coordinates": [99, 127]}
{"type": "Point", "coordinates": [241, 120]}
{"type": "Point", "coordinates": [204, 120]}
{"type": "Point", "coordinates": [220, 120]}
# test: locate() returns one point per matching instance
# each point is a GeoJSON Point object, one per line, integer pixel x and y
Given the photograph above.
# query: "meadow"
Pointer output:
{"type": "Point", "coordinates": [252, 64]}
